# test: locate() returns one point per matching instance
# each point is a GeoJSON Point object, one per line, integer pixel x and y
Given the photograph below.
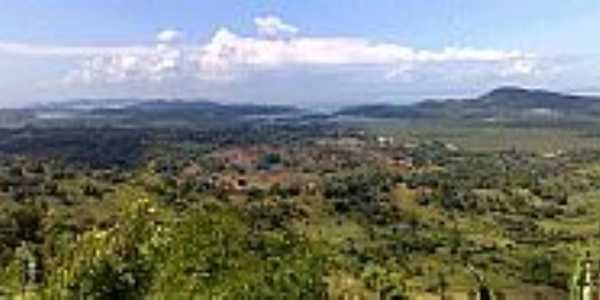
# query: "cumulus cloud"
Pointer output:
{"type": "Point", "coordinates": [227, 53]}
{"type": "Point", "coordinates": [272, 26]}
{"type": "Point", "coordinates": [276, 46]}
{"type": "Point", "coordinates": [227, 48]}
{"type": "Point", "coordinates": [169, 36]}
{"type": "Point", "coordinates": [156, 64]}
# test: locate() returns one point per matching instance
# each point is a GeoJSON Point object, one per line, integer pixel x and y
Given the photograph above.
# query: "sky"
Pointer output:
{"type": "Point", "coordinates": [312, 53]}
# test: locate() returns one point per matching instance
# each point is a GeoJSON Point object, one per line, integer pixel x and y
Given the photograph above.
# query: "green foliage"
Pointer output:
{"type": "Point", "coordinates": [269, 160]}
{"type": "Point", "coordinates": [113, 263]}
{"type": "Point", "coordinates": [172, 229]}
{"type": "Point", "coordinates": [361, 191]}
{"type": "Point", "coordinates": [387, 284]}
{"type": "Point", "coordinates": [214, 253]}
{"type": "Point", "coordinates": [207, 251]}
{"type": "Point", "coordinates": [539, 269]}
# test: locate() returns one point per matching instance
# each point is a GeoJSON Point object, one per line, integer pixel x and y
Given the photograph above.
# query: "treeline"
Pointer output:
{"type": "Point", "coordinates": [147, 250]}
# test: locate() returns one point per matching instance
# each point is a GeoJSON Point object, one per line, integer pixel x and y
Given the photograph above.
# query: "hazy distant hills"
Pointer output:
{"type": "Point", "coordinates": [133, 106]}
{"type": "Point", "coordinates": [136, 112]}
{"type": "Point", "coordinates": [88, 104]}
{"type": "Point", "coordinates": [502, 104]}
{"type": "Point", "coordinates": [191, 110]}
{"type": "Point", "coordinates": [508, 104]}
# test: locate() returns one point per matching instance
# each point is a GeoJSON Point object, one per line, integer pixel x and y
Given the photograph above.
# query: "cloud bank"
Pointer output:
{"type": "Point", "coordinates": [276, 46]}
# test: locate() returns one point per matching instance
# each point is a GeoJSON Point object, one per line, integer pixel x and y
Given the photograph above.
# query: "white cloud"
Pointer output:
{"type": "Point", "coordinates": [227, 53]}
{"type": "Point", "coordinates": [402, 73]}
{"type": "Point", "coordinates": [276, 47]}
{"type": "Point", "coordinates": [169, 36]}
{"type": "Point", "coordinates": [272, 26]}
{"type": "Point", "coordinates": [227, 48]}
{"type": "Point", "coordinates": [155, 65]}
{"type": "Point", "coordinates": [522, 67]}
{"type": "Point", "coordinates": [62, 51]}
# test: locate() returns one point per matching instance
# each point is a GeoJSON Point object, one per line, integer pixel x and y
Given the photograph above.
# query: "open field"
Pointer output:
{"type": "Point", "coordinates": [488, 137]}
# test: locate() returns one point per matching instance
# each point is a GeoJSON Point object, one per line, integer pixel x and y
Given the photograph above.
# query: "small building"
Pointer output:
{"type": "Point", "coordinates": [385, 141]}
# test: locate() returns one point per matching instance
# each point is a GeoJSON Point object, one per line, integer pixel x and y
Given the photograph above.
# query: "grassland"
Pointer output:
{"type": "Point", "coordinates": [487, 136]}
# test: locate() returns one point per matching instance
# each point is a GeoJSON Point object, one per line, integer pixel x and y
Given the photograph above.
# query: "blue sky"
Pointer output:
{"type": "Point", "coordinates": [312, 53]}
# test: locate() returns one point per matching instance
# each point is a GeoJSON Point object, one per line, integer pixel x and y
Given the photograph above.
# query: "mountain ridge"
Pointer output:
{"type": "Point", "coordinates": [504, 103]}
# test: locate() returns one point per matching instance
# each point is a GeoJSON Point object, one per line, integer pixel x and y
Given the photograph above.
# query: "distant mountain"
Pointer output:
{"type": "Point", "coordinates": [135, 112]}
{"type": "Point", "coordinates": [159, 105]}
{"type": "Point", "coordinates": [502, 104]}
{"type": "Point", "coordinates": [191, 111]}
{"type": "Point", "coordinates": [208, 107]}
{"type": "Point", "coordinates": [87, 104]}
{"type": "Point", "coordinates": [384, 111]}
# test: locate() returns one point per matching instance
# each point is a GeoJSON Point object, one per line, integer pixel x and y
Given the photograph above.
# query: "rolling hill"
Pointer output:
{"type": "Point", "coordinates": [502, 104]}
{"type": "Point", "coordinates": [137, 112]}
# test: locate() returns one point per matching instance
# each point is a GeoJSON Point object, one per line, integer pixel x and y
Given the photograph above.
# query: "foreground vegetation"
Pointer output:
{"type": "Point", "coordinates": [274, 211]}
